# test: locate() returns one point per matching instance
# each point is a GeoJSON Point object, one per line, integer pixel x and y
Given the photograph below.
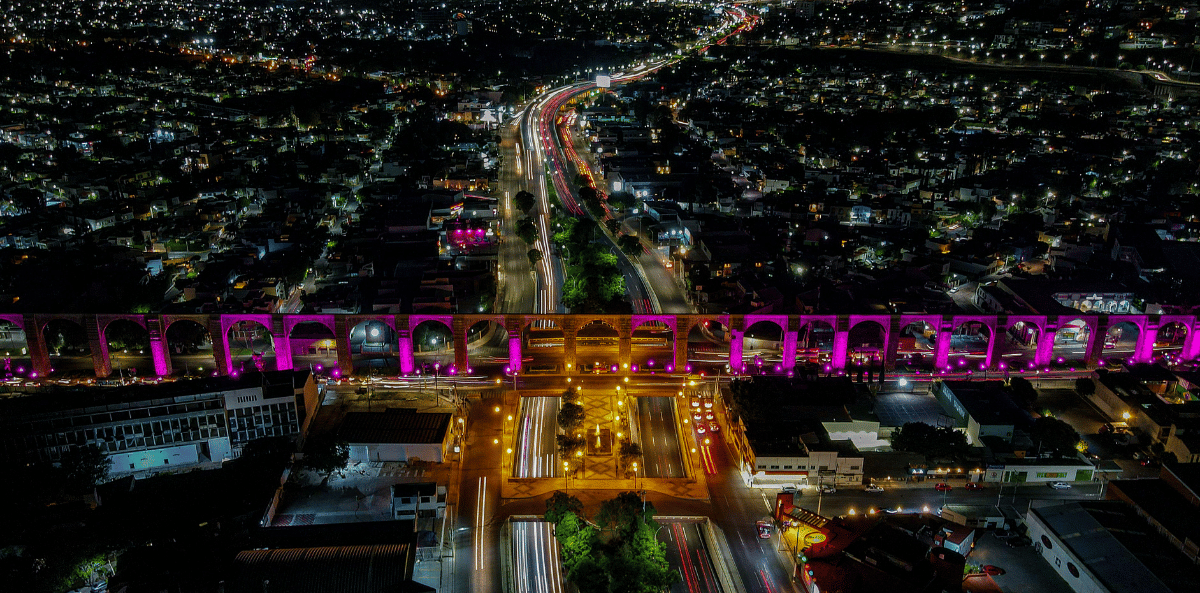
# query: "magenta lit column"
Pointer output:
{"type": "Point", "coordinates": [942, 356]}
{"type": "Point", "coordinates": [514, 353]}
{"type": "Point", "coordinates": [1045, 348]}
{"type": "Point", "coordinates": [1145, 344]}
{"type": "Point", "coordinates": [790, 338]}
{"type": "Point", "coordinates": [162, 360]}
{"type": "Point", "coordinates": [735, 350]}
{"type": "Point", "coordinates": [408, 363]}
{"type": "Point", "coordinates": [841, 347]}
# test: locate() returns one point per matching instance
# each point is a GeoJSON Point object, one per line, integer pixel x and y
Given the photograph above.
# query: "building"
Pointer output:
{"type": "Point", "coordinates": [1156, 403]}
{"type": "Point", "coordinates": [1103, 546]}
{"type": "Point", "coordinates": [327, 569]}
{"type": "Point", "coordinates": [1171, 504]}
{"type": "Point", "coordinates": [151, 428]}
{"type": "Point", "coordinates": [398, 434]}
{"type": "Point", "coordinates": [421, 500]}
{"type": "Point", "coordinates": [982, 408]}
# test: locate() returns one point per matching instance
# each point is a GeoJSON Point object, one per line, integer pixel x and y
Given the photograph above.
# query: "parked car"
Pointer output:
{"type": "Point", "coordinates": [991, 570]}
{"type": "Point", "coordinates": [873, 488]}
{"type": "Point", "coordinates": [714, 427]}
{"type": "Point", "coordinates": [974, 486]}
{"type": "Point", "coordinates": [1019, 542]}
{"type": "Point", "coordinates": [1003, 534]}
{"type": "Point", "coordinates": [943, 487]}
{"type": "Point", "coordinates": [700, 428]}
{"type": "Point", "coordinates": [1060, 485]}
{"type": "Point", "coordinates": [826, 489]}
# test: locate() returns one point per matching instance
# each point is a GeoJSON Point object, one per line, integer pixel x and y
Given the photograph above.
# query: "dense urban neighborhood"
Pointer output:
{"type": "Point", "coordinates": [621, 296]}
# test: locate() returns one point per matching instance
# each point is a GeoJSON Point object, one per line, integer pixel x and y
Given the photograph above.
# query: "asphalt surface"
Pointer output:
{"type": "Point", "coordinates": [536, 447]}
{"type": "Point", "coordinates": [661, 456]}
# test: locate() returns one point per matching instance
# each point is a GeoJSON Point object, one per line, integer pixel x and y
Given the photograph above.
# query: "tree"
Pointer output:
{"type": "Point", "coordinates": [630, 452]}
{"type": "Point", "coordinates": [640, 565]}
{"type": "Point", "coordinates": [568, 444]}
{"type": "Point", "coordinates": [325, 454]}
{"type": "Point", "coordinates": [612, 225]}
{"type": "Point", "coordinates": [84, 467]}
{"type": "Point", "coordinates": [934, 442]}
{"type": "Point", "coordinates": [570, 416]}
{"type": "Point", "coordinates": [577, 538]}
{"type": "Point", "coordinates": [1052, 435]}
{"type": "Point", "coordinates": [559, 505]}
{"type": "Point", "coordinates": [534, 256]}
{"type": "Point", "coordinates": [1085, 386]}
{"type": "Point", "coordinates": [1023, 392]}
{"type": "Point", "coordinates": [629, 245]}
{"type": "Point", "coordinates": [622, 514]}
{"type": "Point", "coordinates": [524, 201]}
{"type": "Point", "coordinates": [527, 230]}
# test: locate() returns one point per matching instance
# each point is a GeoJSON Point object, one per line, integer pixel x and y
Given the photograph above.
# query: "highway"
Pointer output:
{"type": "Point", "coordinates": [536, 447]}
{"type": "Point", "coordinates": [661, 455]}
{"type": "Point", "coordinates": [687, 555]}
{"type": "Point", "coordinates": [535, 558]}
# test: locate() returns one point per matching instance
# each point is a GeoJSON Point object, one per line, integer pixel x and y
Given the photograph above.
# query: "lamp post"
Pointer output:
{"type": "Point", "coordinates": [566, 475]}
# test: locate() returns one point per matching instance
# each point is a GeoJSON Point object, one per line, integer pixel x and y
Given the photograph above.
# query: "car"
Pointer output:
{"type": "Point", "coordinates": [991, 570]}
{"type": "Point", "coordinates": [1151, 462]}
{"type": "Point", "coordinates": [1140, 456]}
{"type": "Point", "coordinates": [826, 489]}
{"type": "Point", "coordinates": [700, 428]}
{"type": "Point", "coordinates": [708, 403]}
{"type": "Point", "coordinates": [1060, 485]}
{"type": "Point", "coordinates": [695, 403]}
{"type": "Point", "coordinates": [1018, 542]}
{"type": "Point", "coordinates": [943, 487]}
{"type": "Point", "coordinates": [974, 486]}
{"type": "Point", "coordinates": [1003, 534]}
{"type": "Point", "coordinates": [873, 488]}
{"type": "Point", "coordinates": [714, 427]}
{"type": "Point", "coordinates": [698, 416]}
{"type": "Point", "coordinates": [708, 416]}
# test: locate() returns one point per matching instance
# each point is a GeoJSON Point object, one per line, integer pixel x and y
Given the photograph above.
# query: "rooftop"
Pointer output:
{"type": "Point", "coordinates": [1118, 547]}
{"type": "Point", "coordinates": [396, 425]}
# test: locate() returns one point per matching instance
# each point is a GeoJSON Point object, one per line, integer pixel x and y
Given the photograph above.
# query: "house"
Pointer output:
{"type": "Point", "coordinates": [418, 501]}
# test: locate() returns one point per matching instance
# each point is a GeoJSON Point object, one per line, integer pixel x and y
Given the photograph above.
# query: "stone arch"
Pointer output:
{"type": "Point", "coordinates": [127, 343]}
{"type": "Point", "coordinates": [251, 345]}
{"type": "Point", "coordinates": [652, 347]}
{"type": "Point", "coordinates": [1120, 341]}
{"type": "Point", "coordinates": [814, 343]}
{"type": "Point", "coordinates": [762, 347]}
{"type": "Point", "coordinates": [866, 342]}
{"type": "Point", "coordinates": [433, 345]}
{"type": "Point", "coordinates": [707, 346]}
{"type": "Point", "coordinates": [970, 343]}
{"type": "Point", "coordinates": [543, 345]}
{"type": "Point", "coordinates": [597, 346]}
{"type": "Point", "coordinates": [69, 348]}
{"type": "Point", "coordinates": [1071, 341]}
{"type": "Point", "coordinates": [487, 346]}
{"type": "Point", "coordinates": [14, 347]}
{"type": "Point", "coordinates": [916, 348]}
{"type": "Point", "coordinates": [1170, 339]}
{"type": "Point", "coordinates": [313, 343]}
{"type": "Point", "coordinates": [375, 347]}
{"type": "Point", "coordinates": [1019, 345]}
{"type": "Point", "coordinates": [190, 347]}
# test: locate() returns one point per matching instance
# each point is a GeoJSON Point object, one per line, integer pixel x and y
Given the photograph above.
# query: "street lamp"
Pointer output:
{"type": "Point", "coordinates": [566, 475]}
{"type": "Point", "coordinates": [635, 468]}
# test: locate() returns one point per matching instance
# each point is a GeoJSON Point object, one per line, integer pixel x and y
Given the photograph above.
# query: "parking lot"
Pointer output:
{"type": "Point", "coordinates": [1024, 569]}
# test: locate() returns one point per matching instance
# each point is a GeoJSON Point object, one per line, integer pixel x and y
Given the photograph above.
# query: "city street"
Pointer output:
{"type": "Point", "coordinates": [659, 438]}
{"type": "Point", "coordinates": [536, 448]}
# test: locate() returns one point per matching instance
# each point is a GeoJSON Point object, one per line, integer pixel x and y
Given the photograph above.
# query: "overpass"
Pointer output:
{"type": "Point", "coordinates": [481, 344]}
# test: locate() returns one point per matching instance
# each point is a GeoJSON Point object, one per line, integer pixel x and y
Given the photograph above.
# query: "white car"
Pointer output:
{"type": "Point", "coordinates": [873, 488]}
{"type": "Point", "coordinates": [1060, 485]}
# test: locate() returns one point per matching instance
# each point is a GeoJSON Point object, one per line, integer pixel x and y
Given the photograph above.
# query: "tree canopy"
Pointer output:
{"type": "Point", "coordinates": [1052, 435]}
{"type": "Point", "coordinates": [325, 454]}
{"type": "Point", "coordinates": [618, 554]}
{"type": "Point", "coordinates": [934, 442]}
